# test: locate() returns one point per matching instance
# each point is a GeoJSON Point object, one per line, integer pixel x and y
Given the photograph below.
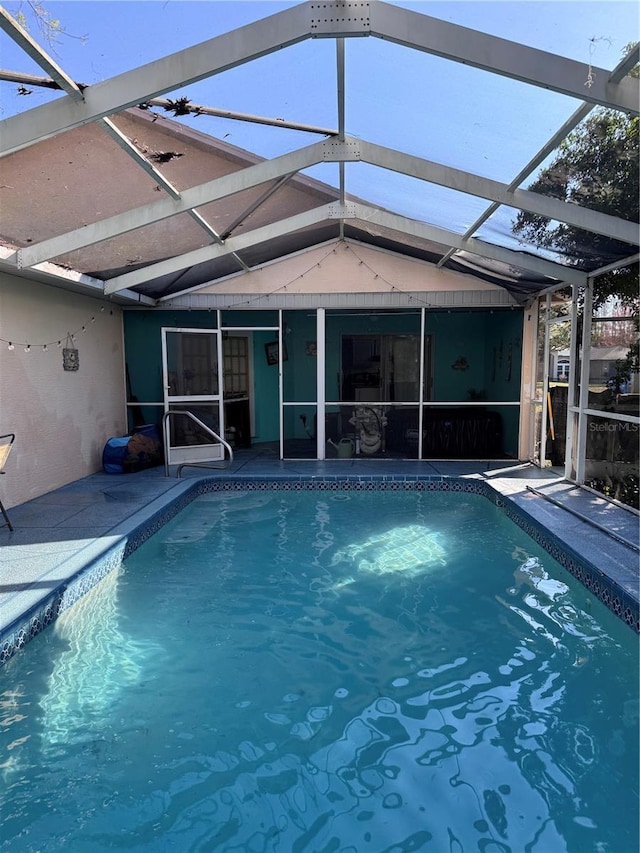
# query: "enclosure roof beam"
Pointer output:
{"type": "Point", "coordinates": [191, 198]}
{"type": "Point", "coordinates": [621, 70]}
{"type": "Point", "coordinates": [22, 38]}
{"type": "Point", "coordinates": [413, 228]}
{"type": "Point", "coordinates": [338, 211]}
{"type": "Point", "coordinates": [329, 151]}
{"type": "Point", "coordinates": [155, 78]}
{"type": "Point", "coordinates": [466, 182]}
{"type": "Point", "coordinates": [331, 19]}
{"type": "Point", "coordinates": [71, 280]}
{"type": "Point", "coordinates": [616, 265]}
{"type": "Point", "coordinates": [208, 253]}
{"type": "Point", "coordinates": [489, 53]}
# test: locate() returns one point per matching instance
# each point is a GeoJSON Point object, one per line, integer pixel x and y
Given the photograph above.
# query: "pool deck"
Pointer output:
{"type": "Point", "coordinates": [58, 534]}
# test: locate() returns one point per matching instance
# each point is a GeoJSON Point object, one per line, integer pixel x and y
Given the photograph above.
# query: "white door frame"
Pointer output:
{"type": "Point", "coordinates": [185, 454]}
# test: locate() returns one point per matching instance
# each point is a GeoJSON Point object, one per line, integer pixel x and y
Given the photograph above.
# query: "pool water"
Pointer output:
{"type": "Point", "coordinates": [326, 671]}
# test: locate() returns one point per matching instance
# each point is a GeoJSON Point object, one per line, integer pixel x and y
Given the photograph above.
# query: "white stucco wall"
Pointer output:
{"type": "Point", "coordinates": [61, 419]}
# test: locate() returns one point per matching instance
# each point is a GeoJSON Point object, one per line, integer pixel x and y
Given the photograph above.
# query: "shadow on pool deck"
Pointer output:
{"type": "Point", "coordinates": [59, 533]}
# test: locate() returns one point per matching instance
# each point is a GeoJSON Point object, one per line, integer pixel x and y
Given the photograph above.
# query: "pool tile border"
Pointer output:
{"type": "Point", "coordinates": [611, 594]}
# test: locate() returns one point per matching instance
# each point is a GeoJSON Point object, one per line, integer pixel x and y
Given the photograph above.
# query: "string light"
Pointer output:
{"type": "Point", "coordinates": [11, 345]}
{"type": "Point", "coordinates": [243, 302]}
{"type": "Point", "coordinates": [410, 297]}
{"type": "Point", "coordinates": [283, 287]}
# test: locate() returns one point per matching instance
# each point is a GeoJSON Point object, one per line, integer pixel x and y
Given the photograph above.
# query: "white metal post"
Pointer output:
{"type": "Point", "coordinates": [423, 319]}
{"type": "Point", "coordinates": [571, 391]}
{"type": "Point", "coordinates": [320, 383]}
{"type": "Point", "coordinates": [545, 384]}
{"type": "Point", "coordinates": [280, 384]}
{"type": "Point", "coordinates": [585, 368]}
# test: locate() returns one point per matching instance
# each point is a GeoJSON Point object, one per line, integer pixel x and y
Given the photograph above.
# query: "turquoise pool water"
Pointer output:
{"type": "Point", "coordinates": [326, 671]}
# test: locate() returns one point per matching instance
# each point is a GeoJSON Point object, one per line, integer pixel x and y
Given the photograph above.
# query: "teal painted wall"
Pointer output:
{"type": "Point", "coordinates": [488, 342]}
{"type": "Point", "coordinates": [143, 353]}
{"type": "Point", "coordinates": [265, 383]}
{"type": "Point", "coordinates": [299, 371]}
{"type": "Point", "coordinates": [484, 346]}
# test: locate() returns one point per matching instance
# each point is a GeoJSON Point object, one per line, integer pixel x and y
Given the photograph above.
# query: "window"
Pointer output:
{"type": "Point", "coordinates": [235, 354]}
{"type": "Point", "coordinates": [380, 368]}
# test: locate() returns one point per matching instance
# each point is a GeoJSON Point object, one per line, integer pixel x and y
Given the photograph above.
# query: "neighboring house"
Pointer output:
{"type": "Point", "coordinates": [189, 273]}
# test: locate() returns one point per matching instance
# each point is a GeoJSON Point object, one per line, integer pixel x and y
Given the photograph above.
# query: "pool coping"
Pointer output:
{"type": "Point", "coordinates": [92, 563]}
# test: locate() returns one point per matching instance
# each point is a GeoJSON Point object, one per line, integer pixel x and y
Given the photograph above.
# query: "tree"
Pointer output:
{"type": "Point", "coordinates": [597, 166]}
{"type": "Point", "coordinates": [50, 28]}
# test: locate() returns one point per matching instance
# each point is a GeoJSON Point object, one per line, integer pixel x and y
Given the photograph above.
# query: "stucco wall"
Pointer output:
{"type": "Point", "coordinates": [61, 418]}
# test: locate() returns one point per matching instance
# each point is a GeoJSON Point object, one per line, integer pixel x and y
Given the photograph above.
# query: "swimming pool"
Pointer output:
{"type": "Point", "coordinates": [322, 670]}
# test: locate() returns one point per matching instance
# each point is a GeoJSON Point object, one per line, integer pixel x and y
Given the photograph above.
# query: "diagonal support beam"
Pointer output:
{"type": "Point", "coordinates": [365, 213]}
{"type": "Point", "coordinates": [412, 228]}
{"type": "Point", "coordinates": [330, 151]}
{"type": "Point", "coordinates": [466, 182]}
{"type": "Point", "coordinates": [208, 253]}
{"type": "Point", "coordinates": [331, 19]}
{"type": "Point", "coordinates": [503, 57]}
{"type": "Point", "coordinates": [259, 202]}
{"type": "Point", "coordinates": [22, 38]}
{"type": "Point", "coordinates": [61, 80]}
{"type": "Point", "coordinates": [129, 148]}
{"type": "Point", "coordinates": [191, 198]}
{"type": "Point", "coordinates": [155, 78]}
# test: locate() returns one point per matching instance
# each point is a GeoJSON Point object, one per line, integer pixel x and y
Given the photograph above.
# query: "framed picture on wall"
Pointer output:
{"type": "Point", "coordinates": [271, 352]}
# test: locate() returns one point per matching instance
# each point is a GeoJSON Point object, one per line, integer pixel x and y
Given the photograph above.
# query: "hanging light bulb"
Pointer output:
{"type": "Point", "coordinates": [27, 348]}
{"type": "Point", "coordinates": [59, 344]}
{"type": "Point", "coordinates": [10, 347]}
{"type": "Point", "coordinates": [44, 348]}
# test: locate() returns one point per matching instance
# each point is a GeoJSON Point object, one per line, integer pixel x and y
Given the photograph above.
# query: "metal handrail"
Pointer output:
{"type": "Point", "coordinates": [203, 426]}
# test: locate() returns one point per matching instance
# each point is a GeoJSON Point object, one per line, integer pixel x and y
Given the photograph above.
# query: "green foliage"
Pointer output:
{"type": "Point", "coordinates": [559, 337]}
{"type": "Point", "coordinates": [50, 29]}
{"type": "Point", "coordinates": [597, 167]}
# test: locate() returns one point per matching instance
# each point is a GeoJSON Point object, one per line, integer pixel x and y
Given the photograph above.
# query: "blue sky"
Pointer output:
{"type": "Point", "coordinates": [435, 109]}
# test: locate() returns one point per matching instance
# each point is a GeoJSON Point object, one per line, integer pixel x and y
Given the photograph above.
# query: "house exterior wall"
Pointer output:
{"type": "Point", "coordinates": [345, 267]}
{"type": "Point", "coordinates": [61, 418]}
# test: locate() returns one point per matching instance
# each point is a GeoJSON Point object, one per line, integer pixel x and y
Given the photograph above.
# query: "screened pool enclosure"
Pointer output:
{"type": "Point", "coordinates": [346, 229]}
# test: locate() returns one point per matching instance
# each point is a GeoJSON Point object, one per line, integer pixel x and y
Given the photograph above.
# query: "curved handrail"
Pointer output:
{"type": "Point", "coordinates": [203, 426]}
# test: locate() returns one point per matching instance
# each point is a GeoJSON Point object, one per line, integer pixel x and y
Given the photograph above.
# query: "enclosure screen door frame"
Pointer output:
{"type": "Point", "coordinates": [189, 378]}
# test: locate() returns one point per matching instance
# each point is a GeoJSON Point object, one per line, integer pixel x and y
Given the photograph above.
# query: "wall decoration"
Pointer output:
{"type": "Point", "coordinates": [312, 348]}
{"type": "Point", "coordinates": [271, 351]}
{"type": "Point", "coordinates": [70, 355]}
{"type": "Point", "coordinates": [460, 363]}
